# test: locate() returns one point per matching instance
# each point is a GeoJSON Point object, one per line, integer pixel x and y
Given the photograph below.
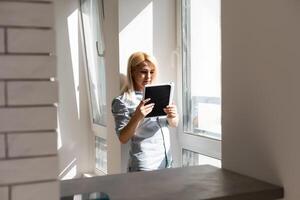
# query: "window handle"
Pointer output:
{"type": "Point", "coordinates": [102, 5]}
{"type": "Point", "coordinates": [98, 52]}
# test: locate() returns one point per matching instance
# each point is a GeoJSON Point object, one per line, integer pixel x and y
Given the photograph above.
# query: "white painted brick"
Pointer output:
{"type": "Point", "coordinates": [2, 42]}
{"type": "Point", "coordinates": [27, 170]}
{"type": "Point", "coordinates": [30, 41]}
{"type": "Point", "coordinates": [39, 0]}
{"type": "Point", "coordinates": [2, 94]}
{"type": "Point", "coordinates": [32, 92]}
{"type": "Point", "coordinates": [26, 14]}
{"type": "Point", "coordinates": [31, 144]}
{"type": "Point", "coordinates": [45, 191]}
{"type": "Point", "coordinates": [2, 147]}
{"type": "Point", "coordinates": [27, 118]}
{"type": "Point", "coordinates": [19, 67]}
{"type": "Point", "coordinates": [4, 193]}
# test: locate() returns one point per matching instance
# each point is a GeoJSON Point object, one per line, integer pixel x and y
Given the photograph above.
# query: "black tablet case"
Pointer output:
{"type": "Point", "coordinates": [160, 95]}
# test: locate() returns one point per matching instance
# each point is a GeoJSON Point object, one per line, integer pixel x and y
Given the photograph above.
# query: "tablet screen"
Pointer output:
{"type": "Point", "coordinates": [161, 95]}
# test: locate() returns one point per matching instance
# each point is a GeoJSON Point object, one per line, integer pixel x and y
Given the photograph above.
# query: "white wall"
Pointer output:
{"type": "Point", "coordinates": [260, 77]}
{"type": "Point", "coordinates": [28, 154]}
{"type": "Point", "coordinates": [76, 152]}
{"type": "Point", "coordinates": [111, 40]}
{"type": "Point", "coordinates": [77, 139]}
{"type": "Point", "coordinates": [142, 29]}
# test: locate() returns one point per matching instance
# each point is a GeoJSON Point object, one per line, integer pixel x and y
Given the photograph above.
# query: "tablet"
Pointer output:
{"type": "Point", "coordinates": [161, 95]}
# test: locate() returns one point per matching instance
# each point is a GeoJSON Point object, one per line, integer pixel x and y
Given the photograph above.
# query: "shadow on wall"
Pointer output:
{"type": "Point", "coordinates": [123, 80]}
{"type": "Point", "coordinates": [135, 29]}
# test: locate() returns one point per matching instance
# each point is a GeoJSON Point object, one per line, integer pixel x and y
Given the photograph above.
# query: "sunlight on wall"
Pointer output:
{"type": "Point", "coordinates": [69, 172]}
{"type": "Point", "coordinates": [73, 41]}
{"type": "Point", "coordinates": [136, 36]}
{"type": "Point", "coordinates": [59, 141]}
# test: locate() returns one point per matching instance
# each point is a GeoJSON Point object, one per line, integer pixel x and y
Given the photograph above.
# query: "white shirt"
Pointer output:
{"type": "Point", "coordinates": [150, 146]}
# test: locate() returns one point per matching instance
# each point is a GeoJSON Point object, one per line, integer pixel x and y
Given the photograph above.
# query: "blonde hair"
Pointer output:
{"type": "Point", "coordinates": [134, 60]}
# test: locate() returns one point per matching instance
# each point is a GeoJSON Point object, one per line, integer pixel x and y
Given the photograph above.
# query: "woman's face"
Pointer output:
{"type": "Point", "coordinates": [142, 75]}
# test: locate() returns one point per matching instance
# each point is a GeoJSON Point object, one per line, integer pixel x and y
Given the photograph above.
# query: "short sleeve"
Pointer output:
{"type": "Point", "coordinates": [121, 114]}
{"type": "Point", "coordinates": [163, 121]}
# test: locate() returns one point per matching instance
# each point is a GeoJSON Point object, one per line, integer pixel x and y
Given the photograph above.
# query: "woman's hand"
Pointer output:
{"type": "Point", "coordinates": [171, 111]}
{"type": "Point", "coordinates": [142, 110]}
{"type": "Point", "coordinates": [140, 113]}
{"type": "Point", "coordinates": [172, 115]}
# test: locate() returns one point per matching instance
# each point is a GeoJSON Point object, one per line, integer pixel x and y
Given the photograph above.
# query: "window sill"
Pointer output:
{"type": "Point", "coordinates": [193, 183]}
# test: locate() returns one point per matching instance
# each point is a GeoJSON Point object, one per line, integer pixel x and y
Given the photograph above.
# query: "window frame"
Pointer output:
{"type": "Point", "coordinates": [202, 144]}
{"type": "Point", "coordinates": [99, 129]}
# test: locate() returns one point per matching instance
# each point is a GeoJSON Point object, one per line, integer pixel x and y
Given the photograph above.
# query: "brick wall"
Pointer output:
{"type": "Point", "coordinates": [28, 94]}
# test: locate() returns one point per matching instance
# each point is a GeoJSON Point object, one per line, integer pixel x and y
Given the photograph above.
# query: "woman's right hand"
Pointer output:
{"type": "Point", "coordinates": [142, 110]}
{"type": "Point", "coordinates": [140, 113]}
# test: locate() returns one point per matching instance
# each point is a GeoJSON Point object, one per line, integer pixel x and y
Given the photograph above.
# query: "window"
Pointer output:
{"type": "Point", "coordinates": [92, 16]}
{"type": "Point", "coordinates": [190, 158]}
{"type": "Point", "coordinates": [101, 154]}
{"type": "Point", "coordinates": [94, 48]}
{"type": "Point", "coordinates": [201, 62]}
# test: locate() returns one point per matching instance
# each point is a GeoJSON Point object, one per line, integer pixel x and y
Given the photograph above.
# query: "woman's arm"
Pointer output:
{"type": "Point", "coordinates": [129, 130]}
{"type": "Point", "coordinates": [172, 115]}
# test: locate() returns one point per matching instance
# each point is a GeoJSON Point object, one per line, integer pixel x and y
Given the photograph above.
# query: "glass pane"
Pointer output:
{"type": "Point", "coordinates": [92, 17]}
{"type": "Point", "coordinates": [190, 158]}
{"type": "Point", "coordinates": [101, 154]}
{"type": "Point", "coordinates": [203, 67]}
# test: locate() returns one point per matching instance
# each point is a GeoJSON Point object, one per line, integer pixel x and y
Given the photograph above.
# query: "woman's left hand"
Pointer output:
{"type": "Point", "coordinates": [172, 115]}
{"type": "Point", "coordinates": [171, 111]}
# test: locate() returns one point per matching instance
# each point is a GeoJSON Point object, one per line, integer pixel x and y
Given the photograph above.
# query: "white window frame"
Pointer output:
{"type": "Point", "coordinates": [99, 130]}
{"type": "Point", "coordinates": [201, 144]}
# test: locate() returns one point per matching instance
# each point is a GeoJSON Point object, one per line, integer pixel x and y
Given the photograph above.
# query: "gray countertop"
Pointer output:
{"type": "Point", "coordinates": [189, 183]}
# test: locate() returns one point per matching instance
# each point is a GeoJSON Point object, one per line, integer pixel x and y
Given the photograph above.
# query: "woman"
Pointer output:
{"type": "Point", "coordinates": [150, 140]}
